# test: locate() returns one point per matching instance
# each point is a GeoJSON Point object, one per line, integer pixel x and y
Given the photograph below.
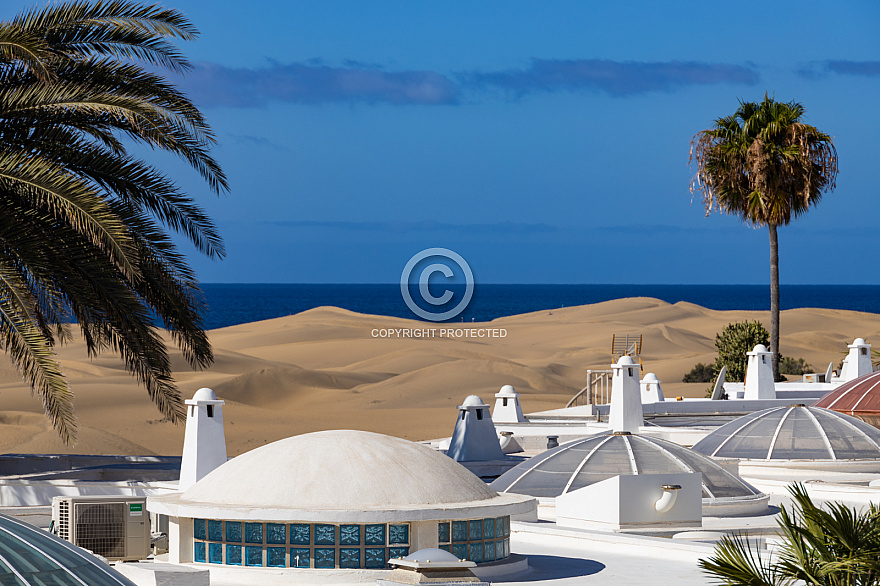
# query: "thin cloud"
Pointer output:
{"type": "Point", "coordinates": [512, 228]}
{"type": "Point", "coordinates": [617, 78]}
{"type": "Point", "coordinates": [819, 69]}
{"type": "Point", "coordinates": [258, 141]}
{"type": "Point", "coordinates": [212, 84]}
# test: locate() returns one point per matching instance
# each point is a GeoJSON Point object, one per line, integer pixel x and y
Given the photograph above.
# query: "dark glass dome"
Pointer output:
{"type": "Point", "coordinates": [31, 556]}
{"type": "Point", "coordinates": [796, 432]}
{"type": "Point", "coordinates": [595, 458]}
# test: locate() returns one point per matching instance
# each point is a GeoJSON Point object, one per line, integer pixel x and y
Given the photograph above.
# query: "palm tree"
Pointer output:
{"type": "Point", "coordinates": [767, 167]}
{"type": "Point", "coordinates": [84, 222]}
{"type": "Point", "coordinates": [834, 547]}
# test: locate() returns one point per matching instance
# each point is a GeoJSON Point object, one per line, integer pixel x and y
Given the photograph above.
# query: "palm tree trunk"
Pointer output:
{"type": "Point", "coordinates": [774, 300]}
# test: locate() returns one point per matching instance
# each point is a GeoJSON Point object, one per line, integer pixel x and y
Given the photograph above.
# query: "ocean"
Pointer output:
{"type": "Point", "coordinates": [231, 304]}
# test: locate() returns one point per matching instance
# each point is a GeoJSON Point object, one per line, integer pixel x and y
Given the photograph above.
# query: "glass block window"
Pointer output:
{"type": "Point", "coordinates": [325, 534]}
{"type": "Point", "coordinates": [313, 545]}
{"type": "Point", "coordinates": [325, 557]}
{"type": "Point", "coordinates": [215, 553]}
{"type": "Point", "coordinates": [233, 531]}
{"type": "Point", "coordinates": [349, 535]}
{"type": "Point", "coordinates": [276, 533]}
{"type": "Point", "coordinates": [276, 557]}
{"type": "Point", "coordinates": [398, 534]}
{"type": "Point", "coordinates": [475, 530]}
{"type": "Point", "coordinates": [443, 533]}
{"type": "Point", "coordinates": [215, 530]}
{"type": "Point", "coordinates": [374, 557]}
{"type": "Point", "coordinates": [233, 555]}
{"type": "Point", "coordinates": [253, 556]}
{"type": "Point", "coordinates": [374, 534]}
{"type": "Point", "coordinates": [253, 532]}
{"type": "Point", "coordinates": [459, 531]}
{"type": "Point", "coordinates": [199, 529]}
{"type": "Point", "coordinates": [398, 552]}
{"type": "Point", "coordinates": [300, 557]}
{"type": "Point", "coordinates": [349, 557]}
{"type": "Point", "coordinates": [300, 534]}
{"type": "Point", "coordinates": [476, 540]}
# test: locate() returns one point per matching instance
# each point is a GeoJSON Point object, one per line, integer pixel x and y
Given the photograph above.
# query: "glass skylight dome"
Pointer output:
{"type": "Point", "coordinates": [796, 432]}
{"type": "Point", "coordinates": [595, 458]}
{"type": "Point", "coordinates": [31, 556]}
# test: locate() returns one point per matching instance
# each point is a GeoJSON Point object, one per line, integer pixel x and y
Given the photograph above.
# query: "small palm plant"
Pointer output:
{"type": "Point", "coordinates": [832, 546]}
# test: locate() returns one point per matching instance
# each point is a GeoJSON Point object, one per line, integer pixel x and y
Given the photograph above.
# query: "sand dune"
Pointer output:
{"type": "Point", "coordinates": [324, 369]}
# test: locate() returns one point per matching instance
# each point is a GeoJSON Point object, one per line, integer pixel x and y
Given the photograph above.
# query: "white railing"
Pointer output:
{"type": "Point", "coordinates": [597, 391]}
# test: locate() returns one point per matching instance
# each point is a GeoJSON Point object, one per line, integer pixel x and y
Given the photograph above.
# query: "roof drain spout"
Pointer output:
{"type": "Point", "coordinates": [670, 494]}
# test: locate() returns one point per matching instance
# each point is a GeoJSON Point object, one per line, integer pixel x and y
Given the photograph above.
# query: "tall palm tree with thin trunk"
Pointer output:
{"type": "Point", "coordinates": [764, 165]}
{"type": "Point", "coordinates": [84, 222]}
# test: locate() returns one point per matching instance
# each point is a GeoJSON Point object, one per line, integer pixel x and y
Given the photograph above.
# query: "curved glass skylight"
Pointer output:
{"type": "Point", "coordinates": [796, 432]}
{"type": "Point", "coordinates": [30, 556]}
{"type": "Point", "coordinates": [589, 460]}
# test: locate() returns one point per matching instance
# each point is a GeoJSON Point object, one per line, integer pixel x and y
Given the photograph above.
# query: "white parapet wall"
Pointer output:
{"type": "Point", "coordinates": [634, 501]}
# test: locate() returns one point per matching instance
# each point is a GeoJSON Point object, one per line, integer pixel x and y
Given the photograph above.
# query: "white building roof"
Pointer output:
{"type": "Point", "coordinates": [339, 476]}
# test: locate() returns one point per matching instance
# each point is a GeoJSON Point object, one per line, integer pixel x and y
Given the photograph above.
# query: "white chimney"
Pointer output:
{"type": "Point", "coordinates": [204, 442]}
{"type": "Point", "coordinates": [626, 404]}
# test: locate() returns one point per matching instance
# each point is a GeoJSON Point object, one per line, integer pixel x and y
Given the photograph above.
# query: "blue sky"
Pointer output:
{"type": "Point", "coordinates": [545, 142]}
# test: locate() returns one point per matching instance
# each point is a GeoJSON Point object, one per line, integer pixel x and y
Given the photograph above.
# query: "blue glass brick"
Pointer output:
{"type": "Point", "coordinates": [276, 533]}
{"type": "Point", "coordinates": [299, 557]}
{"type": "Point", "coordinates": [215, 553]}
{"type": "Point", "coordinates": [233, 555]}
{"type": "Point", "coordinates": [475, 529]}
{"type": "Point", "coordinates": [398, 552]}
{"type": "Point", "coordinates": [489, 551]}
{"type": "Point", "coordinates": [459, 550]}
{"type": "Point", "coordinates": [325, 557]}
{"type": "Point", "coordinates": [398, 534]}
{"type": "Point", "coordinates": [275, 557]}
{"type": "Point", "coordinates": [475, 552]}
{"type": "Point", "coordinates": [374, 535]}
{"type": "Point", "coordinates": [199, 529]}
{"type": "Point", "coordinates": [349, 535]}
{"type": "Point", "coordinates": [324, 535]}
{"type": "Point", "coordinates": [499, 527]}
{"type": "Point", "coordinates": [489, 528]}
{"type": "Point", "coordinates": [199, 551]}
{"type": "Point", "coordinates": [374, 558]}
{"type": "Point", "coordinates": [349, 557]}
{"type": "Point", "coordinates": [215, 530]}
{"type": "Point", "coordinates": [253, 556]}
{"type": "Point", "coordinates": [443, 532]}
{"type": "Point", "coordinates": [506, 547]}
{"type": "Point", "coordinates": [459, 531]}
{"type": "Point", "coordinates": [253, 533]}
{"type": "Point", "coordinates": [300, 534]}
{"type": "Point", "coordinates": [233, 532]}
{"type": "Point", "coordinates": [499, 550]}
{"type": "Point", "coordinates": [507, 525]}
{"type": "Point", "coordinates": [446, 547]}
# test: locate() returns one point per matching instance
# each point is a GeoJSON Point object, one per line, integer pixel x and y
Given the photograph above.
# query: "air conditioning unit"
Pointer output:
{"type": "Point", "coordinates": [117, 528]}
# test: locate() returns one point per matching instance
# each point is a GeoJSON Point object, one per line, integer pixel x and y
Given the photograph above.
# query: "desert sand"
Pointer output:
{"type": "Point", "coordinates": [324, 369]}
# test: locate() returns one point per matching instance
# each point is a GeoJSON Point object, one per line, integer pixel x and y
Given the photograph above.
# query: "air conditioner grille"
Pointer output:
{"type": "Point", "coordinates": [100, 528]}
{"type": "Point", "coordinates": [64, 520]}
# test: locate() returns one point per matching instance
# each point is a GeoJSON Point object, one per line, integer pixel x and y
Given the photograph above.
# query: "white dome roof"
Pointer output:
{"type": "Point", "coordinates": [651, 378]}
{"type": "Point", "coordinates": [340, 470]}
{"type": "Point", "coordinates": [204, 394]}
{"type": "Point", "coordinates": [473, 401]}
{"type": "Point", "coordinates": [626, 360]}
{"type": "Point", "coordinates": [340, 476]}
{"type": "Point", "coordinates": [507, 391]}
{"type": "Point", "coordinates": [760, 349]}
